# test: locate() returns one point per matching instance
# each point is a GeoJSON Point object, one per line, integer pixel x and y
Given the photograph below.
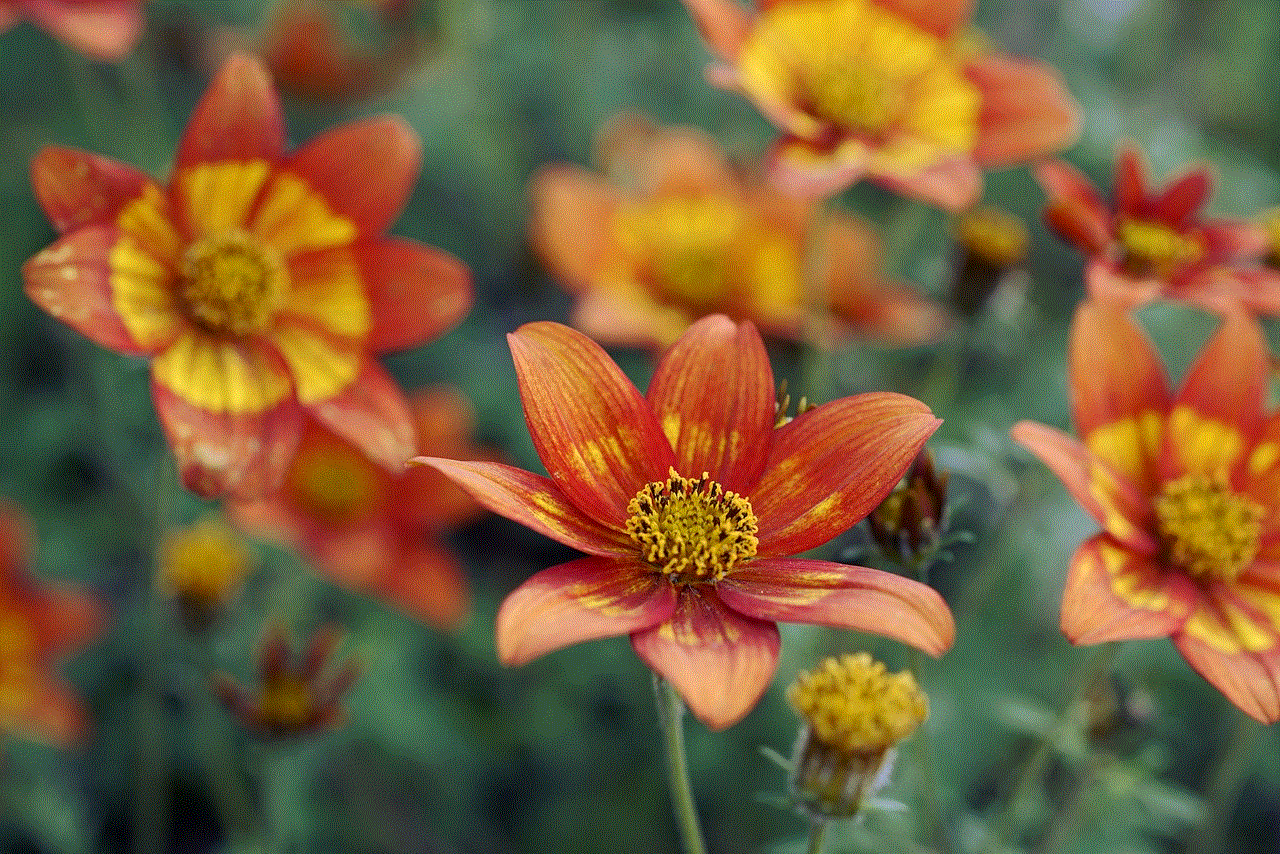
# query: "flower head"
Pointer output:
{"type": "Point", "coordinates": [202, 565]}
{"type": "Point", "coordinates": [39, 623]}
{"type": "Point", "coordinates": [1156, 244]}
{"type": "Point", "coordinates": [990, 245]}
{"type": "Point", "coordinates": [1186, 487]}
{"type": "Point", "coordinates": [100, 29]}
{"type": "Point", "coordinates": [897, 91]}
{"type": "Point", "coordinates": [677, 233]}
{"type": "Point", "coordinates": [690, 505]}
{"type": "Point", "coordinates": [258, 282]}
{"type": "Point", "coordinates": [372, 531]}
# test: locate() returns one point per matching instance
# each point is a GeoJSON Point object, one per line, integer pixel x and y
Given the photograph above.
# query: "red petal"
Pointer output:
{"type": "Point", "coordinates": [535, 502]}
{"type": "Point", "coordinates": [237, 119]}
{"type": "Point", "coordinates": [45, 711]}
{"type": "Point", "coordinates": [1130, 187]}
{"type": "Point", "coordinates": [1182, 199]}
{"type": "Point", "coordinates": [832, 465]}
{"type": "Point", "coordinates": [943, 19]}
{"type": "Point", "coordinates": [1227, 382]}
{"type": "Point", "coordinates": [1075, 210]}
{"type": "Point", "coordinates": [67, 619]}
{"type": "Point", "coordinates": [594, 432]}
{"type": "Point", "coordinates": [1113, 593]}
{"type": "Point", "coordinates": [1026, 110]}
{"type": "Point", "coordinates": [1249, 680]}
{"type": "Point", "coordinates": [571, 213]}
{"type": "Point", "coordinates": [100, 29]}
{"type": "Point", "coordinates": [724, 25]}
{"type": "Point", "coordinates": [586, 599]}
{"type": "Point", "coordinates": [427, 583]}
{"type": "Point", "coordinates": [713, 393]}
{"type": "Point", "coordinates": [417, 293]}
{"type": "Point", "coordinates": [365, 170]}
{"type": "Point", "coordinates": [76, 187]}
{"type": "Point", "coordinates": [719, 661]}
{"type": "Point", "coordinates": [371, 413]}
{"type": "Point", "coordinates": [841, 597]}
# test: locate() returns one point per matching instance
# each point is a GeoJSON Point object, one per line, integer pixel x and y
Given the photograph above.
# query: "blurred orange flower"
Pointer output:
{"type": "Point", "coordinates": [682, 235]}
{"type": "Point", "coordinates": [372, 531]}
{"type": "Point", "coordinates": [1186, 487]}
{"type": "Point", "coordinates": [100, 29]}
{"type": "Point", "coordinates": [1153, 245]}
{"type": "Point", "coordinates": [898, 91]}
{"type": "Point", "coordinates": [39, 623]}
{"type": "Point", "coordinates": [258, 282]}
{"type": "Point", "coordinates": [690, 505]}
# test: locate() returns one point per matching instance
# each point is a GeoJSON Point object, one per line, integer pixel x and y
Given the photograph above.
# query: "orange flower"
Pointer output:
{"type": "Point", "coordinates": [100, 29]}
{"type": "Point", "coordinates": [258, 282]}
{"type": "Point", "coordinates": [897, 91]}
{"type": "Point", "coordinates": [1155, 244]}
{"type": "Point", "coordinates": [38, 624]}
{"type": "Point", "coordinates": [371, 531]}
{"type": "Point", "coordinates": [1186, 487]}
{"type": "Point", "coordinates": [691, 236]}
{"type": "Point", "coordinates": [690, 504]}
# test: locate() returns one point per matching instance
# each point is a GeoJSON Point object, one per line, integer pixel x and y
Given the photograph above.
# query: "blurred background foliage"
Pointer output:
{"type": "Point", "coordinates": [444, 751]}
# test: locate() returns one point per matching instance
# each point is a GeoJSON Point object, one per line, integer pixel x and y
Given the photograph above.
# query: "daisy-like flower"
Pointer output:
{"type": "Point", "coordinates": [372, 531]}
{"type": "Point", "coordinates": [1156, 244]}
{"type": "Point", "coordinates": [202, 565]}
{"type": "Point", "coordinates": [1186, 487]}
{"type": "Point", "coordinates": [258, 282]}
{"type": "Point", "coordinates": [100, 29]}
{"type": "Point", "coordinates": [688, 235]}
{"type": "Point", "coordinates": [39, 623]}
{"type": "Point", "coordinates": [690, 504]}
{"type": "Point", "coordinates": [897, 91]}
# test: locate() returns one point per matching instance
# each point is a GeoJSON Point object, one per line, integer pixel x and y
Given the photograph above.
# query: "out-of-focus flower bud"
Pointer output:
{"type": "Point", "coordinates": [201, 566]}
{"type": "Point", "coordinates": [990, 245]}
{"type": "Point", "coordinates": [907, 526]}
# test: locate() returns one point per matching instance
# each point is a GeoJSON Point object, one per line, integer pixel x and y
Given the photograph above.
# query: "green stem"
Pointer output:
{"type": "Point", "coordinates": [817, 831]}
{"type": "Point", "coordinates": [1223, 787]}
{"type": "Point", "coordinates": [671, 721]}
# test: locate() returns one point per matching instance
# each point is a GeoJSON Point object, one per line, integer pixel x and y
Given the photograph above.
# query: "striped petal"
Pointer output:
{"type": "Point", "coordinates": [1233, 641]}
{"type": "Point", "coordinates": [720, 662]}
{"type": "Point", "coordinates": [595, 433]}
{"type": "Point", "coordinates": [535, 502]}
{"type": "Point", "coordinates": [713, 394]}
{"type": "Point", "coordinates": [586, 599]}
{"type": "Point", "coordinates": [327, 293]}
{"type": "Point", "coordinates": [832, 465]}
{"type": "Point", "coordinates": [416, 293]}
{"type": "Point", "coordinates": [238, 118]}
{"type": "Point", "coordinates": [795, 590]}
{"type": "Point", "coordinates": [364, 169]}
{"type": "Point", "coordinates": [321, 364]}
{"type": "Point", "coordinates": [1026, 110]}
{"type": "Point", "coordinates": [372, 413]}
{"type": "Point", "coordinates": [77, 188]}
{"type": "Point", "coordinates": [1251, 682]}
{"type": "Point", "coordinates": [1113, 593]}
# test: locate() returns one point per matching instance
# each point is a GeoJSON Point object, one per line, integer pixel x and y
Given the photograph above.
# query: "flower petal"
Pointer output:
{"type": "Point", "coordinates": [76, 187]}
{"type": "Point", "coordinates": [832, 465]}
{"type": "Point", "coordinates": [571, 211]}
{"type": "Point", "coordinates": [237, 119]}
{"type": "Point", "coordinates": [719, 661]}
{"type": "Point", "coordinates": [1113, 593]}
{"type": "Point", "coordinates": [370, 412]}
{"type": "Point", "coordinates": [321, 363]}
{"type": "Point", "coordinates": [535, 502]}
{"type": "Point", "coordinates": [100, 29]}
{"type": "Point", "coordinates": [586, 599]}
{"type": "Point", "coordinates": [724, 25]}
{"type": "Point", "coordinates": [941, 19]}
{"type": "Point", "coordinates": [713, 393]}
{"type": "Point", "coordinates": [67, 619]}
{"type": "Point", "coordinates": [1130, 184]}
{"type": "Point", "coordinates": [42, 709]}
{"type": "Point", "coordinates": [426, 582]}
{"type": "Point", "coordinates": [595, 433]}
{"type": "Point", "coordinates": [796, 590]}
{"type": "Point", "coordinates": [812, 170]}
{"type": "Point", "coordinates": [417, 293]}
{"type": "Point", "coordinates": [1183, 198]}
{"type": "Point", "coordinates": [1026, 110]}
{"type": "Point", "coordinates": [1233, 641]}
{"type": "Point", "coordinates": [1075, 209]}
{"type": "Point", "coordinates": [953, 183]}
{"type": "Point", "coordinates": [365, 169]}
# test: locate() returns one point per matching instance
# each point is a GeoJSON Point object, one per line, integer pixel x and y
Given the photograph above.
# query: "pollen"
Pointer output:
{"type": "Point", "coordinates": [232, 284]}
{"type": "Point", "coordinates": [1151, 248]}
{"type": "Point", "coordinates": [852, 704]}
{"type": "Point", "coordinates": [1208, 529]}
{"type": "Point", "coordinates": [851, 95]}
{"type": "Point", "coordinates": [692, 529]}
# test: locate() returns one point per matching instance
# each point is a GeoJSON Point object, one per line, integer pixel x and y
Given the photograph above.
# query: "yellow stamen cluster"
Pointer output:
{"type": "Point", "coordinates": [684, 243]}
{"type": "Point", "coordinates": [333, 482]}
{"type": "Point", "coordinates": [693, 530]}
{"type": "Point", "coordinates": [232, 284]}
{"type": "Point", "coordinates": [1151, 248]}
{"type": "Point", "coordinates": [203, 561]}
{"type": "Point", "coordinates": [852, 704]}
{"type": "Point", "coordinates": [287, 704]}
{"type": "Point", "coordinates": [850, 93]}
{"type": "Point", "coordinates": [1207, 528]}
{"type": "Point", "coordinates": [993, 235]}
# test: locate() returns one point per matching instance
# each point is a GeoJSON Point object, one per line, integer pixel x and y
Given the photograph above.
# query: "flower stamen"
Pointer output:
{"type": "Point", "coordinates": [231, 284]}
{"type": "Point", "coordinates": [1207, 528]}
{"type": "Point", "coordinates": [1153, 249]}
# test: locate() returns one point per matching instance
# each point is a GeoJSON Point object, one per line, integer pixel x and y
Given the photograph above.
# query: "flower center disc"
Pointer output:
{"type": "Point", "coordinates": [286, 703]}
{"type": "Point", "coordinates": [853, 704]}
{"type": "Point", "coordinates": [685, 243]}
{"type": "Point", "coordinates": [693, 530]}
{"type": "Point", "coordinates": [1154, 249]}
{"type": "Point", "coordinates": [333, 483]}
{"type": "Point", "coordinates": [849, 94]}
{"type": "Point", "coordinates": [231, 284]}
{"type": "Point", "coordinates": [1207, 529]}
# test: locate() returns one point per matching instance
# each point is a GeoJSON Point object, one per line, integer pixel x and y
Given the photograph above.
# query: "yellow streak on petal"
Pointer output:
{"type": "Point", "coordinates": [1264, 458]}
{"type": "Point", "coordinates": [331, 293]}
{"type": "Point", "coordinates": [1129, 445]}
{"type": "Point", "coordinates": [219, 378]}
{"type": "Point", "coordinates": [1204, 444]}
{"type": "Point", "coordinates": [141, 275]}
{"type": "Point", "coordinates": [1128, 585]}
{"type": "Point", "coordinates": [319, 369]}
{"type": "Point", "coordinates": [294, 218]}
{"type": "Point", "coordinates": [217, 196]}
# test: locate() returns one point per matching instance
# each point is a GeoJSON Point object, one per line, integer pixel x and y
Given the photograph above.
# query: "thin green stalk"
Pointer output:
{"type": "Point", "coordinates": [671, 721]}
{"type": "Point", "coordinates": [817, 831]}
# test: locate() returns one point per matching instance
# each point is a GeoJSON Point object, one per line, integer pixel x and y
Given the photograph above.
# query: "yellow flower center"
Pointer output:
{"type": "Point", "coordinates": [286, 704]}
{"type": "Point", "coordinates": [333, 481]}
{"type": "Point", "coordinates": [1153, 249]}
{"type": "Point", "coordinates": [848, 92]}
{"type": "Point", "coordinates": [232, 284]}
{"type": "Point", "coordinates": [683, 245]}
{"type": "Point", "coordinates": [693, 530]}
{"type": "Point", "coordinates": [1207, 529]}
{"type": "Point", "coordinates": [851, 704]}
{"type": "Point", "coordinates": [203, 561]}
{"type": "Point", "coordinates": [17, 663]}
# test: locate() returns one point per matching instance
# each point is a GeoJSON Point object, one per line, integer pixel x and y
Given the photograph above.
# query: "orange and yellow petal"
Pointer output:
{"type": "Point", "coordinates": [952, 183]}
{"type": "Point", "coordinates": [817, 169]}
{"type": "Point", "coordinates": [78, 188]}
{"type": "Point", "coordinates": [795, 590]}
{"type": "Point", "coordinates": [292, 216]}
{"type": "Point", "coordinates": [320, 364]}
{"type": "Point", "coordinates": [1113, 593]}
{"type": "Point", "coordinates": [713, 393]}
{"type": "Point", "coordinates": [40, 708]}
{"type": "Point", "coordinates": [1233, 641]}
{"type": "Point", "coordinates": [595, 433]}
{"type": "Point", "coordinates": [100, 29]}
{"type": "Point", "coordinates": [212, 199]}
{"type": "Point", "coordinates": [535, 502]}
{"type": "Point", "coordinates": [720, 662]}
{"type": "Point", "coordinates": [365, 170]}
{"type": "Point", "coordinates": [832, 465]}
{"type": "Point", "coordinates": [416, 293]}
{"type": "Point", "coordinates": [238, 118]}
{"type": "Point", "coordinates": [627, 315]}
{"type": "Point", "coordinates": [942, 18]}
{"type": "Point", "coordinates": [724, 24]}
{"type": "Point", "coordinates": [570, 213]}
{"type": "Point", "coordinates": [427, 583]}
{"type": "Point", "coordinates": [370, 411]}
{"type": "Point", "coordinates": [1026, 111]}
{"type": "Point", "coordinates": [686, 161]}
{"type": "Point", "coordinates": [586, 599]}
{"type": "Point", "coordinates": [327, 292]}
